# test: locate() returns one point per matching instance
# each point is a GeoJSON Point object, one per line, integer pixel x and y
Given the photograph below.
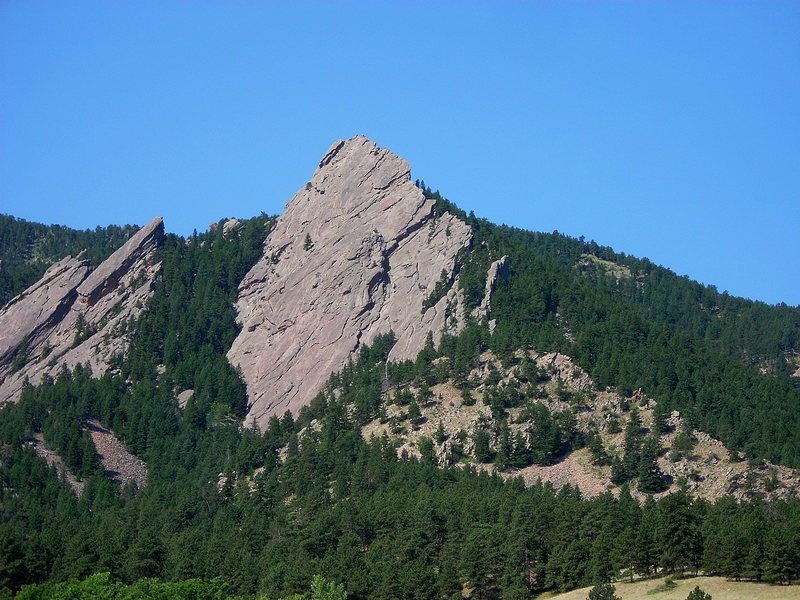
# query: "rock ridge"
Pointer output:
{"type": "Point", "coordinates": [74, 315]}
{"type": "Point", "coordinates": [107, 275]}
{"type": "Point", "coordinates": [354, 255]}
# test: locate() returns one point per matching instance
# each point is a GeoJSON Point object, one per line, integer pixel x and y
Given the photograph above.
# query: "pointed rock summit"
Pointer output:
{"type": "Point", "coordinates": [76, 315]}
{"type": "Point", "coordinates": [355, 254]}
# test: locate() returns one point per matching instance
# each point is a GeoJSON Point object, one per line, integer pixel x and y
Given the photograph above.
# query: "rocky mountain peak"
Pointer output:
{"type": "Point", "coordinates": [355, 254]}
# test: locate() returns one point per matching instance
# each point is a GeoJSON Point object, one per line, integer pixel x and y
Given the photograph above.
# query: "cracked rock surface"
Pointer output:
{"type": "Point", "coordinates": [354, 255]}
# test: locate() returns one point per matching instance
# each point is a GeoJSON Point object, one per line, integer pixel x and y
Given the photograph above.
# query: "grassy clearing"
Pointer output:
{"type": "Point", "coordinates": [719, 588]}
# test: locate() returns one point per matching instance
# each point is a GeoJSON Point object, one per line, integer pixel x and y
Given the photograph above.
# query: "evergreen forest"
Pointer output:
{"type": "Point", "coordinates": [310, 507]}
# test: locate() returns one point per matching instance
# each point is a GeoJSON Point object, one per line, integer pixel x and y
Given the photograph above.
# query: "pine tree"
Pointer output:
{"type": "Point", "coordinates": [12, 559]}
{"type": "Point", "coordinates": [660, 415]}
{"type": "Point", "coordinates": [698, 594]}
{"type": "Point", "coordinates": [677, 533]}
{"type": "Point", "coordinates": [414, 412]}
{"type": "Point", "coordinates": [596, 448]}
{"type": "Point", "coordinates": [650, 475]}
{"type": "Point", "coordinates": [618, 473]}
{"type": "Point", "coordinates": [603, 591]}
{"type": "Point", "coordinates": [483, 453]}
{"type": "Point", "coordinates": [632, 443]}
{"type": "Point", "coordinates": [440, 436]}
{"type": "Point", "coordinates": [646, 554]}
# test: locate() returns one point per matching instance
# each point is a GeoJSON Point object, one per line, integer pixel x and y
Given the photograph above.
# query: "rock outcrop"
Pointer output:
{"type": "Point", "coordinates": [498, 268]}
{"type": "Point", "coordinates": [76, 315]}
{"type": "Point", "coordinates": [105, 277]}
{"type": "Point", "coordinates": [355, 254]}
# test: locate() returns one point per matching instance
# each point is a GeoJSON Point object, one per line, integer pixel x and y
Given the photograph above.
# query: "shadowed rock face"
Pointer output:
{"type": "Point", "coordinates": [38, 328]}
{"type": "Point", "coordinates": [354, 255]}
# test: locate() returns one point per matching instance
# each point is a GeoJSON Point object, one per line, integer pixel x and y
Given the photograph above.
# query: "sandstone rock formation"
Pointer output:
{"type": "Point", "coordinates": [498, 268]}
{"type": "Point", "coordinates": [75, 315]}
{"type": "Point", "coordinates": [355, 254]}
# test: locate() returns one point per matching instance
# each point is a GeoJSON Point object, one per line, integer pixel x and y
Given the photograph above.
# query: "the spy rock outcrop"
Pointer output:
{"type": "Point", "coordinates": [355, 254]}
{"type": "Point", "coordinates": [76, 315]}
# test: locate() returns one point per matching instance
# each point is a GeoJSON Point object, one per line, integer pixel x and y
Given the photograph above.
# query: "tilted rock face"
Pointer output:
{"type": "Point", "coordinates": [354, 255]}
{"type": "Point", "coordinates": [38, 328]}
{"type": "Point", "coordinates": [108, 274]}
{"type": "Point", "coordinates": [32, 315]}
{"type": "Point", "coordinates": [498, 268]}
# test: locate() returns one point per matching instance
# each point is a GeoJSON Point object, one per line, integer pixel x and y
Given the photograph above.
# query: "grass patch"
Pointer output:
{"type": "Point", "coordinates": [719, 588]}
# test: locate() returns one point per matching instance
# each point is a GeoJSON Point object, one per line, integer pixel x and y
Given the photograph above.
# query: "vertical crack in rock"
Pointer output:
{"type": "Point", "coordinates": [375, 254]}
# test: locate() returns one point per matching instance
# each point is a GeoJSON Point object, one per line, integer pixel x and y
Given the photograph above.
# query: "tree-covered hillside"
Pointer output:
{"type": "Point", "coordinates": [268, 510]}
{"type": "Point", "coordinates": [725, 363]}
{"type": "Point", "coordinates": [27, 249]}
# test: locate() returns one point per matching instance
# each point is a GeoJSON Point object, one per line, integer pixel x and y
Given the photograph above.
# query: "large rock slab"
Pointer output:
{"type": "Point", "coordinates": [75, 315]}
{"type": "Point", "coordinates": [29, 318]}
{"type": "Point", "coordinates": [108, 274]}
{"type": "Point", "coordinates": [355, 254]}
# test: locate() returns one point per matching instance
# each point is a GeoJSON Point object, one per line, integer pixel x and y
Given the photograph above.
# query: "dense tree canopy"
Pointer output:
{"type": "Point", "coordinates": [266, 511]}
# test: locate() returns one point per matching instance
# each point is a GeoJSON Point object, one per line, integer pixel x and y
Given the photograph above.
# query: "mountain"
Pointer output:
{"type": "Point", "coordinates": [381, 389]}
{"type": "Point", "coordinates": [75, 314]}
{"type": "Point", "coordinates": [356, 253]}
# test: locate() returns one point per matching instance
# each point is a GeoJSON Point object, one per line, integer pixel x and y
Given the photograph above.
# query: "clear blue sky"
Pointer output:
{"type": "Point", "coordinates": [669, 130]}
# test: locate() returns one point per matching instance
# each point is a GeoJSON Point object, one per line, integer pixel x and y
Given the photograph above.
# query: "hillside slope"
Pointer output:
{"type": "Point", "coordinates": [545, 419]}
{"type": "Point", "coordinates": [561, 362]}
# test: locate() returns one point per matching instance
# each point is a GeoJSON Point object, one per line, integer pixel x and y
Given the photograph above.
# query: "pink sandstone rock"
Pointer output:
{"type": "Point", "coordinates": [356, 252]}
{"type": "Point", "coordinates": [42, 322]}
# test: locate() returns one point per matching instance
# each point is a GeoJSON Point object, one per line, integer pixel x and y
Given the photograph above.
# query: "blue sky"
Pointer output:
{"type": "Point", "coordinates": [669, 130]}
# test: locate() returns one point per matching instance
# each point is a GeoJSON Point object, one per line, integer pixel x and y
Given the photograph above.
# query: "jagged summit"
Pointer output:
{"type": "Point", "coordinates": [357, 180]}
{"type": "Point", "coordinates": [355, 254]}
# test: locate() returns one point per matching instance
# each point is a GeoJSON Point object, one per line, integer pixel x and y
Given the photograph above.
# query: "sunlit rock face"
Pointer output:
{"type": "Point", "coordinates": [76, 315]}
{"type": "Point", "coordinates": [355, 254]}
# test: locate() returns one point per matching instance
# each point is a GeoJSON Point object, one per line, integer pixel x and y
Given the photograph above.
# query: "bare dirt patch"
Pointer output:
{"type": "Point", "coordinates": [618, 271]}
{"type": "Point", "coordinates": [571, 470]}
{"type": "Point", "coordinates": [719, 588]}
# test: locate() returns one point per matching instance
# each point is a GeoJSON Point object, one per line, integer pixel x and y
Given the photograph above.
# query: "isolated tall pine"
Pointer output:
{"type": "Point", "coordinates": [650, 475]}
{"type": "Point", "coordinates": [632, 443]}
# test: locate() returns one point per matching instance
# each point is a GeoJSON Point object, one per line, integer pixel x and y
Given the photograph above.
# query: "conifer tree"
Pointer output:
{"type": "Point", "coordinates": [650, 475]}
{"type": "Point", "coordinates": [698, 594]}
{"type": "Point", "coordinates": [603, 591]}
